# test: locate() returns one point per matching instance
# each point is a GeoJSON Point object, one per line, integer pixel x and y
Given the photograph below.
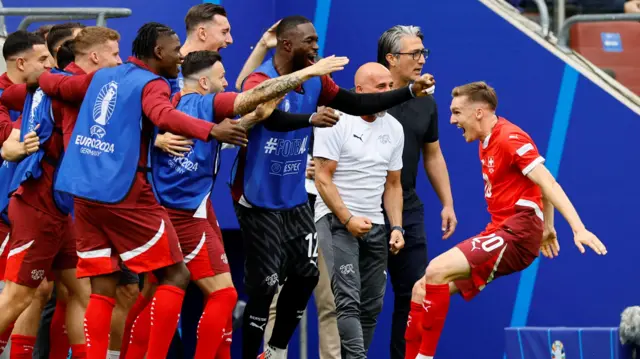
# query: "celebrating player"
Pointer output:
{"type": "Point", "coordinates": [183, 184]}
{"type": "Point", "coordinates": [521, 195]}
{"type": "Point", "coordinates": [24, 53]}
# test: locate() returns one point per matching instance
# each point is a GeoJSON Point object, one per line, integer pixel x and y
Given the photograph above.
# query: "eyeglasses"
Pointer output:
{"type": "Point", "coordinates": [416, 54]}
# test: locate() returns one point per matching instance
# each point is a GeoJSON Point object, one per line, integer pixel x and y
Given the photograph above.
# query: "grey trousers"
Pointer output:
{"type": "Point", "coordinates": [357, 267]}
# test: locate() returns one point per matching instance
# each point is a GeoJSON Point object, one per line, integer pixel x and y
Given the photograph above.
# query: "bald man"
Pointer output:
{"type": "Point", "coordinates": [358, 163]}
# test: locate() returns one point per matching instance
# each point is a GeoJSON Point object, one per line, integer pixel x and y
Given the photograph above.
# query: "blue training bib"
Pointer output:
{"type": "Point", "coordinates": [184, 182]}
{"type": "Point", "coordinates": [275, 162]}
{"type": "Point", "coordinates": [101, 160]}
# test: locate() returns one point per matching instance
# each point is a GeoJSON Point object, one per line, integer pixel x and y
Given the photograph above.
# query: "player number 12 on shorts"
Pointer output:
{"type": "Point", "coordinates": [313, 248]}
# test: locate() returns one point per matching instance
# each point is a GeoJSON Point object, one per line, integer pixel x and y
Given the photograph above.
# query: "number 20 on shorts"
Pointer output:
{"type": "Point", "coordinates": [488, 243]}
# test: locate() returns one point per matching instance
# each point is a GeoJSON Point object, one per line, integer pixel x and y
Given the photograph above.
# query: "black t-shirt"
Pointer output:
{"type": "Point", "coordinates": [419, 119]}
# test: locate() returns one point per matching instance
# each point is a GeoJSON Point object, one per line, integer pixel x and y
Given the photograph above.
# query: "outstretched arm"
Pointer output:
{"type": "Point", "coordinates": [360, 104]}
{"type": "Point", "coordinates": [157, 107]}
{"type": "Point", "coordinates": [273, 88]}
{"type": "Point", "coordinates": [552, 191]}
{"type": "Point", "coordinates": [66, 88]}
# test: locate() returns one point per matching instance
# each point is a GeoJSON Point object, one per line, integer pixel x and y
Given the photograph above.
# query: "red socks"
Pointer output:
{"type": "Point", "coordinates": [413, 334]}
{"type": "Point", "coordinates": [140, 304]}
{"type": "Point", "coordinates": [97, 325]}
{"type": "Point", "coordinates": [22, 346]}
{"type": "Point", "coordinates": [4, 337]}
{"type": "Point", "coordinates": [165, 313]}
{"type": "Point", "coordinates": [436, 306]}
{"type": "Point", "coordinates": [78, 351]}
{"type": "Point", "coordinates": [139, 336]}
{"type": "Point", "coordinates": [213, 322]}
{"type": "Point", "coordinates": [58, 338]}
{"type": "Point", "coordinates": [224, 350]}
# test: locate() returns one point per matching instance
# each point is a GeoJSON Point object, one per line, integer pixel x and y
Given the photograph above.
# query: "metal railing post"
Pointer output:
{"type": "Point", "coordinates": [563, 33]}
{"type": "Point", "coordinates": [101, 20]}
{"type": "Point", "coordinates": [101, 14]}
{"type": "Point", "coordinates": [560, 7]}
{"type": "Point", "coordinates": [545, 22]}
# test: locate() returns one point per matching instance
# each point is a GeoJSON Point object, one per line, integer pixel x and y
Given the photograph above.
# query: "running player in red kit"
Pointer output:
{"type": "Point", "coordinates": [521, 195]}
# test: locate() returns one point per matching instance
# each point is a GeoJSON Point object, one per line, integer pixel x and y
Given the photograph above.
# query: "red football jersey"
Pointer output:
{"type": "Point", "coordinates": [507, 155]}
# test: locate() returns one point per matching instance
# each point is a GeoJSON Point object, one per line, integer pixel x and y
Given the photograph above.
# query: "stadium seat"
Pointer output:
{"type": "Point", "coordinates": [612, 46]}
{"type": "Point", "coordinates": [563, 343]}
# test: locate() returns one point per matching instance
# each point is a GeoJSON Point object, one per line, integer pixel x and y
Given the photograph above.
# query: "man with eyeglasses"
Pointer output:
{"type": "Point", "coordinates": [400, 49]}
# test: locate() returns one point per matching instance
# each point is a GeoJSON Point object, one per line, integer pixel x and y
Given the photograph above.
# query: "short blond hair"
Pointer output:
{"type": "Point", "coordinates": [478, 92]}
{"type": "Point", "coordinates": [91, 36]}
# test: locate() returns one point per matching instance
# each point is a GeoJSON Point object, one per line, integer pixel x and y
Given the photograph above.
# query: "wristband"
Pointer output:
{"type": "Point", "coordinates": [311, 117]}
{"type": "Point", "coordinates": [398, 228]}
{"type": "Point", "coordinates": [348, 219]}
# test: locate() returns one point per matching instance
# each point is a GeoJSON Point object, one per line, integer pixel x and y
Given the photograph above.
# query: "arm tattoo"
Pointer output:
{"type": "Point", "coordinates": [248, 121]}
{"type": "Point", "coordinates": [266, 91]}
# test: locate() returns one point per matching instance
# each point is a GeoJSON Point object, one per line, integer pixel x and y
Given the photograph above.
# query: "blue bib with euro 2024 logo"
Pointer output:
{"type": "Point", "coordinates": [275, 162]}
{"type": "Point", "coordinates": [7, 169]}
{"type": "Point", "coordinates": [185, 182]}
{"type": "Point", "coordinates": [38, 112]}
{"type": "Point", "coordinates": [101, 161]}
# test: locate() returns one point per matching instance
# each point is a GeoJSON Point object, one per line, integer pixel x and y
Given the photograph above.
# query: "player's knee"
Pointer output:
{"type": "Point", "coordinates": [437, 272]}
{"type": "Point", "coordinates": [105, 285]}
{"type": "Point", "coordinates": [126, 295]}
{"type": "Point", "coordinates": [82, 292]}
{"type": "Point", "coordinates": [43, 292]}
{"type": "Point", "coordinates": [176, 275]}
{"type": "Point", "coordinates": [418, 292]}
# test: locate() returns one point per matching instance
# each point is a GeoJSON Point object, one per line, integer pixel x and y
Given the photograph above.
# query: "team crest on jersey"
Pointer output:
{"type": "Point", "coordinates": [490, 164]}
{"type": "Point", "coordinates": [35, 102]}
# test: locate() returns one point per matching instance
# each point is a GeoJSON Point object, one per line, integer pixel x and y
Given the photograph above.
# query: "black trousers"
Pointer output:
{"type": "Point", "coordinates": [405, 269]}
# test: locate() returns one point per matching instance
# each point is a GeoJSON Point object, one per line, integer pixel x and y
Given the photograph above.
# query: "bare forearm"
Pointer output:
{"type": "Point", "coordinates": [13, 151]}
{"type": "Point", "coordinates": [329, 193]}
{"type": "Point", "coordinates": [436, 169]}
{"type": "Point", "coordinates": [548, 211]}
{"type": "Point", "coordinates": [255, 59]}
{"type": "Point", "coordinates": [558, 198]}
{"type": "Point", "coordinates": [249, 120]}
{"type": "Point", "coordinates": [392, 201]}
{"type": "Point", "coordinates": [268, 90]}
